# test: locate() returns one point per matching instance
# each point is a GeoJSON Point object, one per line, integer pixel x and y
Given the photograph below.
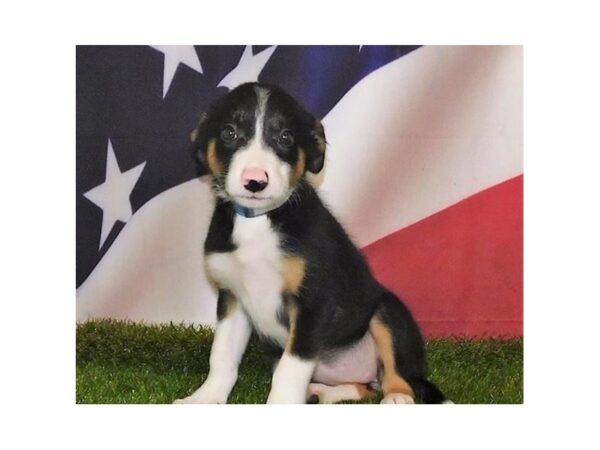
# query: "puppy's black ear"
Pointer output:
{"type": "Point", "coordinates": [316, 151]}
{"type": "Point", "coordinates": [199, 139]}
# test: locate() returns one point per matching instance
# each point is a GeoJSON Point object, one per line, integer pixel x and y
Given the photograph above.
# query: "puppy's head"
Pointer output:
{"type": "Point", "coordinates": [258, 143]}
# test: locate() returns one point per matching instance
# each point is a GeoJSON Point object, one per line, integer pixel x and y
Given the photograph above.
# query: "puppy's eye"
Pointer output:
{"type": "Point", "coordinates": [228, 133]}
{"type": "Point", "coordinates": [286, 138]}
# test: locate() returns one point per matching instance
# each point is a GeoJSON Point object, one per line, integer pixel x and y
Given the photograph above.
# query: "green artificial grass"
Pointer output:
{"type": "Point", "coordinates": [123, 362]}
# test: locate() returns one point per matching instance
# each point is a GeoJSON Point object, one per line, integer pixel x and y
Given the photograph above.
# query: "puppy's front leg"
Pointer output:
{"type": "Point", "coordinates": [291, 379]}
{"type": "Point", "coordinates": [297, 364]}
{"type": "Point", "coordinates": [231, 338]}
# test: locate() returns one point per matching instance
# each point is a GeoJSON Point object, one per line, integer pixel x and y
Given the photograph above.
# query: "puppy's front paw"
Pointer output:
{"type": "Point", "coordinates": [203, 396]}
{"type": "Point", "coordinates": [282, 396]}
{"type": "Point", "coordinates": [397, 398]}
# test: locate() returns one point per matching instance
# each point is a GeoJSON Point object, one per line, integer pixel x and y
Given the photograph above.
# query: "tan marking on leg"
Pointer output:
{"type": "Point", "coordinates": [293, 269]}
{"type": "Point", "coordinates": [340, 392]}
{"type": "Point", "coordinates": [292, 312]}
{"type": "Point", "coordinates": [392, 382]}
{"type": "Point", "coordinates": [364, 391]}
{"type": "Point", "coordinates": [211, 156]}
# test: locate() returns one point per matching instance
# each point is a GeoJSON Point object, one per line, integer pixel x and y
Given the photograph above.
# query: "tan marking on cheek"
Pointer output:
{"type": "Point", "coordinates": [211, 156]}
{"type": "Point", "coordinates": [392, 382]}
{"type": "Point", "coordinates": [293, 269]}
{"type": "Point", "coordinates": [299, 168]}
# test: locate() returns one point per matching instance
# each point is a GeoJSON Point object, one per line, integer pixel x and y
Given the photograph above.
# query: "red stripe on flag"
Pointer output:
{"type": "Point", "coordinates": [461, 270]}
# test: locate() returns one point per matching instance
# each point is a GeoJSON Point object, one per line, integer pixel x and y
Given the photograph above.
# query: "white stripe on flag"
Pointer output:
{"type": "Point", "coordinates": [422, 133]}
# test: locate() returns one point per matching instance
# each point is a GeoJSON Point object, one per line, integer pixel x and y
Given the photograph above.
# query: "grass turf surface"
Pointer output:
{"type": "Point", "coordinates": [123, 362]}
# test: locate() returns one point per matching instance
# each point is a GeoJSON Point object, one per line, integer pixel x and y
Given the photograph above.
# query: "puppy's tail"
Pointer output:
{"type": "Point", "coordinates": [427, 392]}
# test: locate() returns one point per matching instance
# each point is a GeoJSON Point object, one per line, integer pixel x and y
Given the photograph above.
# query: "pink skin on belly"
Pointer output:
{"type": "Point", "coordinates": [358, 364]}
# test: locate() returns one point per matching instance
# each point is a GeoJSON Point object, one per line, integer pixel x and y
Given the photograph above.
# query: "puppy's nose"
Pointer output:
{"type": "Point", "coordinates": [254, 179]}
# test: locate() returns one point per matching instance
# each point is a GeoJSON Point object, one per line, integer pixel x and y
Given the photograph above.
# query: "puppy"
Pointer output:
{"type": "Point", "coordinates": [284, 267]}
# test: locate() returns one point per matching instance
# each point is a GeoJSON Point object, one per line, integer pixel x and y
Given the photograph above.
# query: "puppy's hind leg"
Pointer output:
{"type": "Point", "coordinates": [402, 353]}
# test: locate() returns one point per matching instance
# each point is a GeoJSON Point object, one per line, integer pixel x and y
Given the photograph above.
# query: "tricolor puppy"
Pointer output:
{"type": "Point", "coordinates": [284, 267]}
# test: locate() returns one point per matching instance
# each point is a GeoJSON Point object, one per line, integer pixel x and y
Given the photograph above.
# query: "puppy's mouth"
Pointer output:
{"type": "Point", "coordinates": [253, 197]}
{"type": "Point", "coordinates": [253, 200]}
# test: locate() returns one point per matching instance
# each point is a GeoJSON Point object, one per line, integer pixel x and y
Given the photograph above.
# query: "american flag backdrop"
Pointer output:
{"type": "Point", "coordinates": [424, 170]}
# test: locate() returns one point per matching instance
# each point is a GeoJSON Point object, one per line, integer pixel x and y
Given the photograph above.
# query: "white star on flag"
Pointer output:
{"type": "Point", "coordinates": [112, 196]}
{"type": "Point", "coordinates": [175, 54]}
{"type": "Point", "coordinates": [248, 69]}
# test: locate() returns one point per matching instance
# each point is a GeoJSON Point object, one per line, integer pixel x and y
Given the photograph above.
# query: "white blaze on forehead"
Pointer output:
{"type": "Point", "coordinates": [257, 144]}
{"type": "Point", "coordinates": [258, 154]}
{"type": "Point", "coordinates": [262, 95]}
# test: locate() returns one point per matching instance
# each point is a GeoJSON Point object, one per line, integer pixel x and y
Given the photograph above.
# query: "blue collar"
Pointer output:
{"type": "Point", "coordinates": [253, 212]}
{"type": "Point", "coordinates": [247, 212]}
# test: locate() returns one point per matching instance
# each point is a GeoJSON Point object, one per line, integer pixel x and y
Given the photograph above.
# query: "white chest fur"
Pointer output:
{"type": "Point", "coordinates": [253, 273]}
